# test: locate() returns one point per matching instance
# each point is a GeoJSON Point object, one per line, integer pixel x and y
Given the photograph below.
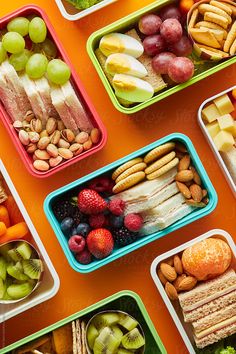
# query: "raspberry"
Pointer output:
{"type": "Point", "coordinates": [117, 206]}
{"type": "Point", "coordinates": [97, 221]}
{"type": "Point", "coordinates": [84, 257]}
{"type": "Point", "coordinates": [133, 222]}
{"type": "Point", "coordinates": [76, 243]}
{"type": "Point", "coordinates": [102, 184]}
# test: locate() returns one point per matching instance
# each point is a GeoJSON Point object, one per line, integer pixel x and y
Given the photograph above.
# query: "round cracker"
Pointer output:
{"type": "Point", "coordinates": [163, 169]}
{"type": "Point", "coordinates": [161, 162]}
{"type": "Point", "coordinates": [230, 37]}
{"type": "Point", "coordinates": [222, 6]}
{"type": "Point", "coordinates": [128, 182]}
{"type": "Point", "coordinates": [125, 166]}
{"type": "Point", "coordinates": [158, 152]}
{"type": "Point", "coordinates": [135, 168]}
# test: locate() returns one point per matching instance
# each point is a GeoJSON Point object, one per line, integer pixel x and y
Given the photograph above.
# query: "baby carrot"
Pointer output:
{"type": "Point", "coordinates": [15, 232]}
{"type": "Point", "coordinates": [3, 228]}
{"type": "Point", "coordinates": [4, 216]}
{"type": "Point", "coordinates": [13, 210]}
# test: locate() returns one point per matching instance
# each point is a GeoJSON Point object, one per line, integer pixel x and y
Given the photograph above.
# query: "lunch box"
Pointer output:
{"type": "Point", "coordinates": [124, 25]}
{"type": "Point", "coordinates": [211, 142]}
{"type": "Point", "coordinates": [119, 252]}
{"type": "Point", "coordinates": [78, 86]}
{"type": "Point", "coordinates": [50, 282]}
{"type": "Point", "coordinates": [173, 307]}
{"type": "Point", "coordinates": [71, 13]}
{"type": "Point", "coordinates": [126, 301]}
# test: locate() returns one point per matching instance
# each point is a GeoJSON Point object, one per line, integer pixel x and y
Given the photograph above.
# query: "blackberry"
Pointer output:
{"type": "Point", "coordinates": [124, 237]}
{"type": "Point", "coordinates": [76, 215]}
{"type": "Point", "coordinates": [62, 209]}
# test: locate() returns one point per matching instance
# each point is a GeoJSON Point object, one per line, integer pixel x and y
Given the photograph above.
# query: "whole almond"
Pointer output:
{"type": "Point", "coordinates": [170, 261]}
{"type": "Point", "coordinates": [81, 138]}
{"type": "Point", "coordinates": [52, 150]}
{"type": "Point", "coordinates": [76, 149]}
{"type": "Point", "coordinates": [184, 176]}
{"type": "Point", "coordinates": [43, 143]}
{"type": "Point", "coordinates": [24, 137]}
{"type": "Point", "coordinates": [196, 192]}
{"type": "Point", "coordinates": [179, 154]}
{"type": "Point", "coordinates": [31, 148]}
{"type": "Point", "coordinates": [184, 163]}
{"type": "Point", "coordinates": [95, 135]}
{"type": "Point", "coordinates": [161, 277]}
{"type": "Point", "coordinates": [41, 165]}
{"type": "Point", "coordinates": [178, 281]}
{"type": "Point", "coordinates": [44, 133]}
{"type": "Point", "coordinates": [55, 137]}
{"type": "Point", "coordinates": [171, 291]}
{"type": "Point", "coordinates": [63, 144]}
{"type": "Point", "coordinates": [196, 176]}
{"type": "Point", "coordinates": [188, 283]}
{"type": "Point", "coordinates": [51, 125]}
{"type": "Point", "coordinates": [54, 161]}
{"type": "Point", "coordinates": [195, 204]}
{"type": "Point", "coordinates": [168, 271]}
{"type": "Point", "coordinates": [204, 193]}
{"type": "Point", "coordinates": [65, 153]}
{"type": "Point", "coordinates": [184, 189]}
{"type": "Point", "coordinates": [87, 145]}
{"type": "Point", "coordinates": [180, 147]}
{"type": "Point", "coordinates": [42, 154]}
{"type": "Point", "coordinates": [34, 137]}
{"type": "Point", "coordinates": [178, 265]}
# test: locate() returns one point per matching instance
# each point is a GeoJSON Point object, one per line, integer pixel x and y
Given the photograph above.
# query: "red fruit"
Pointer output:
{"type": "Point", "coordinates": [185, 5]}
{"type": "Point", "coordinates": [90, 202]}
{"type": "Point", "coordinates": [171, 30]}
{"type": "Point", "coordinates": [154, 44]}
{"type": "Point", "coordinates": [133, 222]}
{"type": "Point", "coordinates": [100, 243]}
{"type": "Point", "coordinates": [182, 48]}
{"type": "Point", "coordinates": [76, 243]}
{"type": "Point", "coordinates": [117, 206]}
{"type": "Point", "coordinates": [84, 257]}
{"type": "Point", "coordinates": [149, 24]}
{"type": "Point", "coordinates": [170, 11]}
{"type": "Point", "coordinates": [97, 221]}
{"type": "Point", "coordinates": [102, 184]}
{"type": "Point", "coordinates": [181, 69]}
{"type": "Point", "coordinates": [161, 62]}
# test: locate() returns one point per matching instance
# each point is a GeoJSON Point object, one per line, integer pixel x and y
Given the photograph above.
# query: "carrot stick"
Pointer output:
{"type": "Point", "coordinates": [3, 228]}
{"type": "Point", "coordinates": [4, 216]}
{"type": "Point", "coordinates": [13, 210]}
{"type": "Point", "coordinates": [15, 232]}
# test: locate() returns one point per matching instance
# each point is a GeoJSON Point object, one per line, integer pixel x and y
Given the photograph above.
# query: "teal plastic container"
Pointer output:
{"type": "Point", "coordinates": [72, 189]}
{"type": "Point", "coordinates": [126, 301]}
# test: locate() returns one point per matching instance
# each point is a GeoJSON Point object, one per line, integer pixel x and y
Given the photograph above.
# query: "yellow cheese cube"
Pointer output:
{"type": "Point", "coordinates": [224, 104]}
{"type": "Point", "coordinates": [224, 141]}
{"type": "Point", "coordinates": [226, 122]}
{"type": "Point", "coordinates": [213, 128]}
{"type": "Point", "coordinates": [210, 113]}
{"type": "Point", "coordinates": [234, 130]}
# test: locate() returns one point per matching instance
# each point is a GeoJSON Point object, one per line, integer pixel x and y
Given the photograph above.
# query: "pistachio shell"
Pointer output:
{"type": "Point", "coordinates": [63, 144]}
{"type": "Point", "coordinates": [24, 137]}
{"type": "Point", "coordinates": [31, 148]}
{"type": "Point", "coordinates": [51, 125]}
{"type": "Point", "coordinates": [43, 143]}
{"type": "Point", "coordinates": [65, 153]}
{"type": "Point", "coordinates": [87, 145]}
{"type": "Point", "coordinates": [54, 161]}
{"type": "Point", "coordinates": [76, 149]}
{"type": "Point", "coordinates": [42, 154]}
{"type": "Point", "coordinates": [52, 150]}
{"type": "Point", "coordinates": [60, 125]}
{"type": "Point", "coordinates": [36, 125]}
{"type": "Point", "coordinates": [34, 137]}
{"type": "Point", "coordinates": [68, 135]}
{"type": "Point", "coordinates": [44, 133]}
{"type": "Point", "coordinates": [95, 135]}
{"type": "Point", "coordinates": [55, 137]}
{"type": "Point", "coordinates": [29, 116]}
{"type": "Point", "coordinates": [81, 138]}
{"type": "Point", "coordinates": [18, 125]}
{"type": "Point", "coordinates": [41, 165]}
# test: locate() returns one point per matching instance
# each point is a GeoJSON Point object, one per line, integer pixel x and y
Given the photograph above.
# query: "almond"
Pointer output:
{"type": "Point", "coordinates": [184, 176]}
{"type": "Point", "coordinates": [178, 281]}
{"type": "Point", "coordinates": [184, 163]}
{"type": "Point", "coordinates": [196, 192]}
{"type": "Point", "coordinates": [184, 190]}
{"type": "Point", "coordinates": [168, 271]}
{"type": "Point", "coordinates": [180, 147]}
{"type": "Point", "coordinates": [95, 135]}
{"type": "Point", "coordinates": [178, 265]}
{"type": "Point", "coordinates": [187, 283]}
{"type": "Point", "coordinates": [170, 261]}
{"type": "Point", "coordinates": [171, 291]}
{"type": "Point", "coordinates": [204, 193]}
{"type": "Point", "coordinates": [161, 277]}
{"type": "Point", "coordinates": [193, 203]}
{"type": "Point", "coordinates": [196, 176]}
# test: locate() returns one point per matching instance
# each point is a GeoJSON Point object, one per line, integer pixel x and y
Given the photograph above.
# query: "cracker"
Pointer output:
{"type": "Point", "coordinates": [74, 338]}
{"type": "Point", "coordinates": [135, 168]}
{"type": "Point", "coordinates": [232, 50]}
{"type": "Point", "coordinates": [203, 8]}
{"type": "Point", "coordinates": [193, 18]}
{"type": "Point", "coordinates": [230, 37]}
{"type": "Point", "coordinates": [159, 163]}
{"type": "Point", "coordinates": [215, 18]}
{"type": "Point", "coordinates": [129, 181]}
{"type": "Point", "coordinates": [211, 25]}
{"type": "Point", "coordinates": [222, 6]}
{"type": "Point", "coordinates": [125, 167]}
{"type": "Point", "coordinates": [216, 51]}
{"type": "Point", "coordinates": [163, 169]}
{"type": "Point", "coordinates": [232, 5]}
{"type": "Point", "coordinates": [159, 151]}
{"type": "Point", "coordinates": [83, 337]}
{"type": "Point", "coordinates": [204, 36]}
{"type": "Point", "coordinates": [212, 54]}
{"type": "Point", "coordinates": [78, 337]}
{"type": "Point", "coordinates": [219, 35]}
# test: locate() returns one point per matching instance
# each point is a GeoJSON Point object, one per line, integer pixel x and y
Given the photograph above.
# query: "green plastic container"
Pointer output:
{"type": "Point", "coordinates": [127, 301]}
{"type": "Point", "coordinates": [124, 25]}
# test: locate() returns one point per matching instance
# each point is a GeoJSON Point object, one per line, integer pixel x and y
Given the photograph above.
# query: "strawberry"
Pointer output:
{"type": "Point", "coordinates": [100, 243]}
{"type": "Point", "coordinates": [90, 202]}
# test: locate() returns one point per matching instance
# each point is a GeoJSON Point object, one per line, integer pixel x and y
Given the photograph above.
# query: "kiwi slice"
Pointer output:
{"type": "Point", "coordinates": [117, 332]}
{"type": "Point", "coordinates": [24, 250]}
{"type": "Point", "coordinates": [17, 291]}
{"type": "Point", "coordinates": [3, 268]}
{"type": "Point", "coordinates": [3, 288]}
{"type": "Point", "coordinates": [14, 272]}
{"type": "Point", "coordinates": [33, 268]}
{"type": "Point", "coordinates": [92, 334]}
{"type": "Point", "coordinates": [106, 342]}
{"type": "Point", "coordinates": [14, 255]}
{"type": "Point", "coordinates": [4, 251]}
{"type": "Point", "coordinates": [133, 339]}
{"type": "Point", "coordinates": [124, 351]}
{"type": "Point", "coordinates": [105, 320]}
{"type": "Point", "coordinates": [127, 322]}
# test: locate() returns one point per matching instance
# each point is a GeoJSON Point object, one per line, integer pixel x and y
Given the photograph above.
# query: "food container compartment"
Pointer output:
{"type": "Point", "coordinates": [69, 11]}
{"type": "Point", "coordinates": [124, 25]}
{"type": "Point", "coordinates": [79, 89]}
{"type": "Point", "coordinates": [126, 301]}
{"type": "Point", "coordinates": [174, 308]}
{"type": "Point", "coordinates": [211, 142]}
{"type": "Point", "coordinates": [117, 253]}
{"type": "Point", "coordinates": [50, 282]}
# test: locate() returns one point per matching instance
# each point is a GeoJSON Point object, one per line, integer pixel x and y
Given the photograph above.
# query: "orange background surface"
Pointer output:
{"type": "Point", "coordinates": [177, 113]}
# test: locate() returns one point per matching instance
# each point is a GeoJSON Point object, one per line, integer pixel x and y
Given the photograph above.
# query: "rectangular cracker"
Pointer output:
{"type": "Point", "coordinates": [220, 52]}
{"type": "Point", "coordinates": [193, 18]}
{"type": "Point", "coordinates": [204, 36]}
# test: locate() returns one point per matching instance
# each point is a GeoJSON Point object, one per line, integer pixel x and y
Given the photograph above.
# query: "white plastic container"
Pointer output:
{"type": "Point", "coordinates": [174, 308]}
{"type": "Point", "coordinates": [211, 142]}
{"type": "Point", "coordinates": [69, 12]}
{"type": "Point", "coordinates": [50, 282]}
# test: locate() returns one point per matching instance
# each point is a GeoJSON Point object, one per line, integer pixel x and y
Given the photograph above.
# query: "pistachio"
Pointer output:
{"type": "Point", "coordinates": [24, 137]}
{"type": "Point", "coordinates": [44, 133]}
{"type": "Point", "coordinates": [81, 138]}
{"type": "Point", "coordinates": [34, 137]}
{"type": "Point", "coordinates": [42, 154]}
{"type": "Point", "coordinates": [35, 157]}
{"type": "Point", "coordinates": [25, 125]}
{"type": "Point", "coordinates": [51, 125]}
{"type": "Point", "coordinates": [63, 144]}
{"type": "Point", "coordinates": [60, 125]}
{"type": "Point", "coordinates": [36, 125]}
{"type": "Point", "coordinates": [76, 149]}
{"type": "Point", "coordinates": [43, 142]}
{"type": "Point", "coordinates": [18, 125]}
{"type": "Point", "coordinates": [87, 145]}
{"type": "Point", "coordinates": [31, 148]}
{"type": "Point", "coordinates": [68, 135]}
{"type": "Point", "coordinates": [29, 116]}
{"type": "Point", "coordinates": [52, 150]}
{"type": "Point", "coordinates": [41, 165]}
{"type": "Point", "coordinates": [55, 137]}
{"type": "Point", "coordinates": [54, 161]}
{"type": "Point", "coordinates": [95, 135]}
{"type": "Point", "coordinates": [65, 153]}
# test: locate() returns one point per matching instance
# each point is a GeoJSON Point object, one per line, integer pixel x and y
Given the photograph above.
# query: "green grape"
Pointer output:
{"type": "Point", "coordinates": [13, 42]}
{"type": "Point", "coordinates": [37, 30]}
{"type": "Point", "coordinates": [19, 60]}
{"type": "Point", "coordinates": [20, 25]}
{"type": "Point", "coordinates": [47, 48]}
{"type": "Point", "coordinates": [36, 66]}
{"type": "Point", "coordinates": [58, 71]}
{"type": "Point", "coordinates": [3, 53]}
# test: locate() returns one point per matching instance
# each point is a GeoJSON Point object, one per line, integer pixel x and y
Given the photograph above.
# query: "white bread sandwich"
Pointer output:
{"type": "Point", "coordinates": [9, 100]}
{"type": "Point", "coordinates": [229, 158]}
{"type": "Point", "coordinates": [44, 89]}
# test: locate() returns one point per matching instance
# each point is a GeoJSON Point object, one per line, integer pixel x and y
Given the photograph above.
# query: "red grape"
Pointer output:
{"type": "Point", "coordinates": [182, 48]}
{"type": "Point", "coordinates": [154, 44]}
{"type": "Point", "coordinates": [170, 11]}
{"type": "Point", "coordinates": [149, 24]}
{"type": "Point", "coordinates": [171, 30]}
{"type": "Point", "coordinates": [181, 69]}
{"type": "Point", "coordinates": [161, 62]}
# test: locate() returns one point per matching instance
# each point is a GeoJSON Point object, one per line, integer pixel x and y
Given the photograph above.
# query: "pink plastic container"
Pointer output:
{"type": "Point", "coordinates": [79, 89]}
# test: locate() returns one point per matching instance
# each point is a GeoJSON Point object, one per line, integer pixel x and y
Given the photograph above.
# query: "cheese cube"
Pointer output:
{"type": "Point", "coordinates": [224, 104]}
{"type": "Point", "coordinates": [224, 141]}
{"type": "Point", "coordinates": [210, 113]}
{"type": "Point", "coordinates": [213, 128]}
{"type": "Point", "coordinates": [226, 122]}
